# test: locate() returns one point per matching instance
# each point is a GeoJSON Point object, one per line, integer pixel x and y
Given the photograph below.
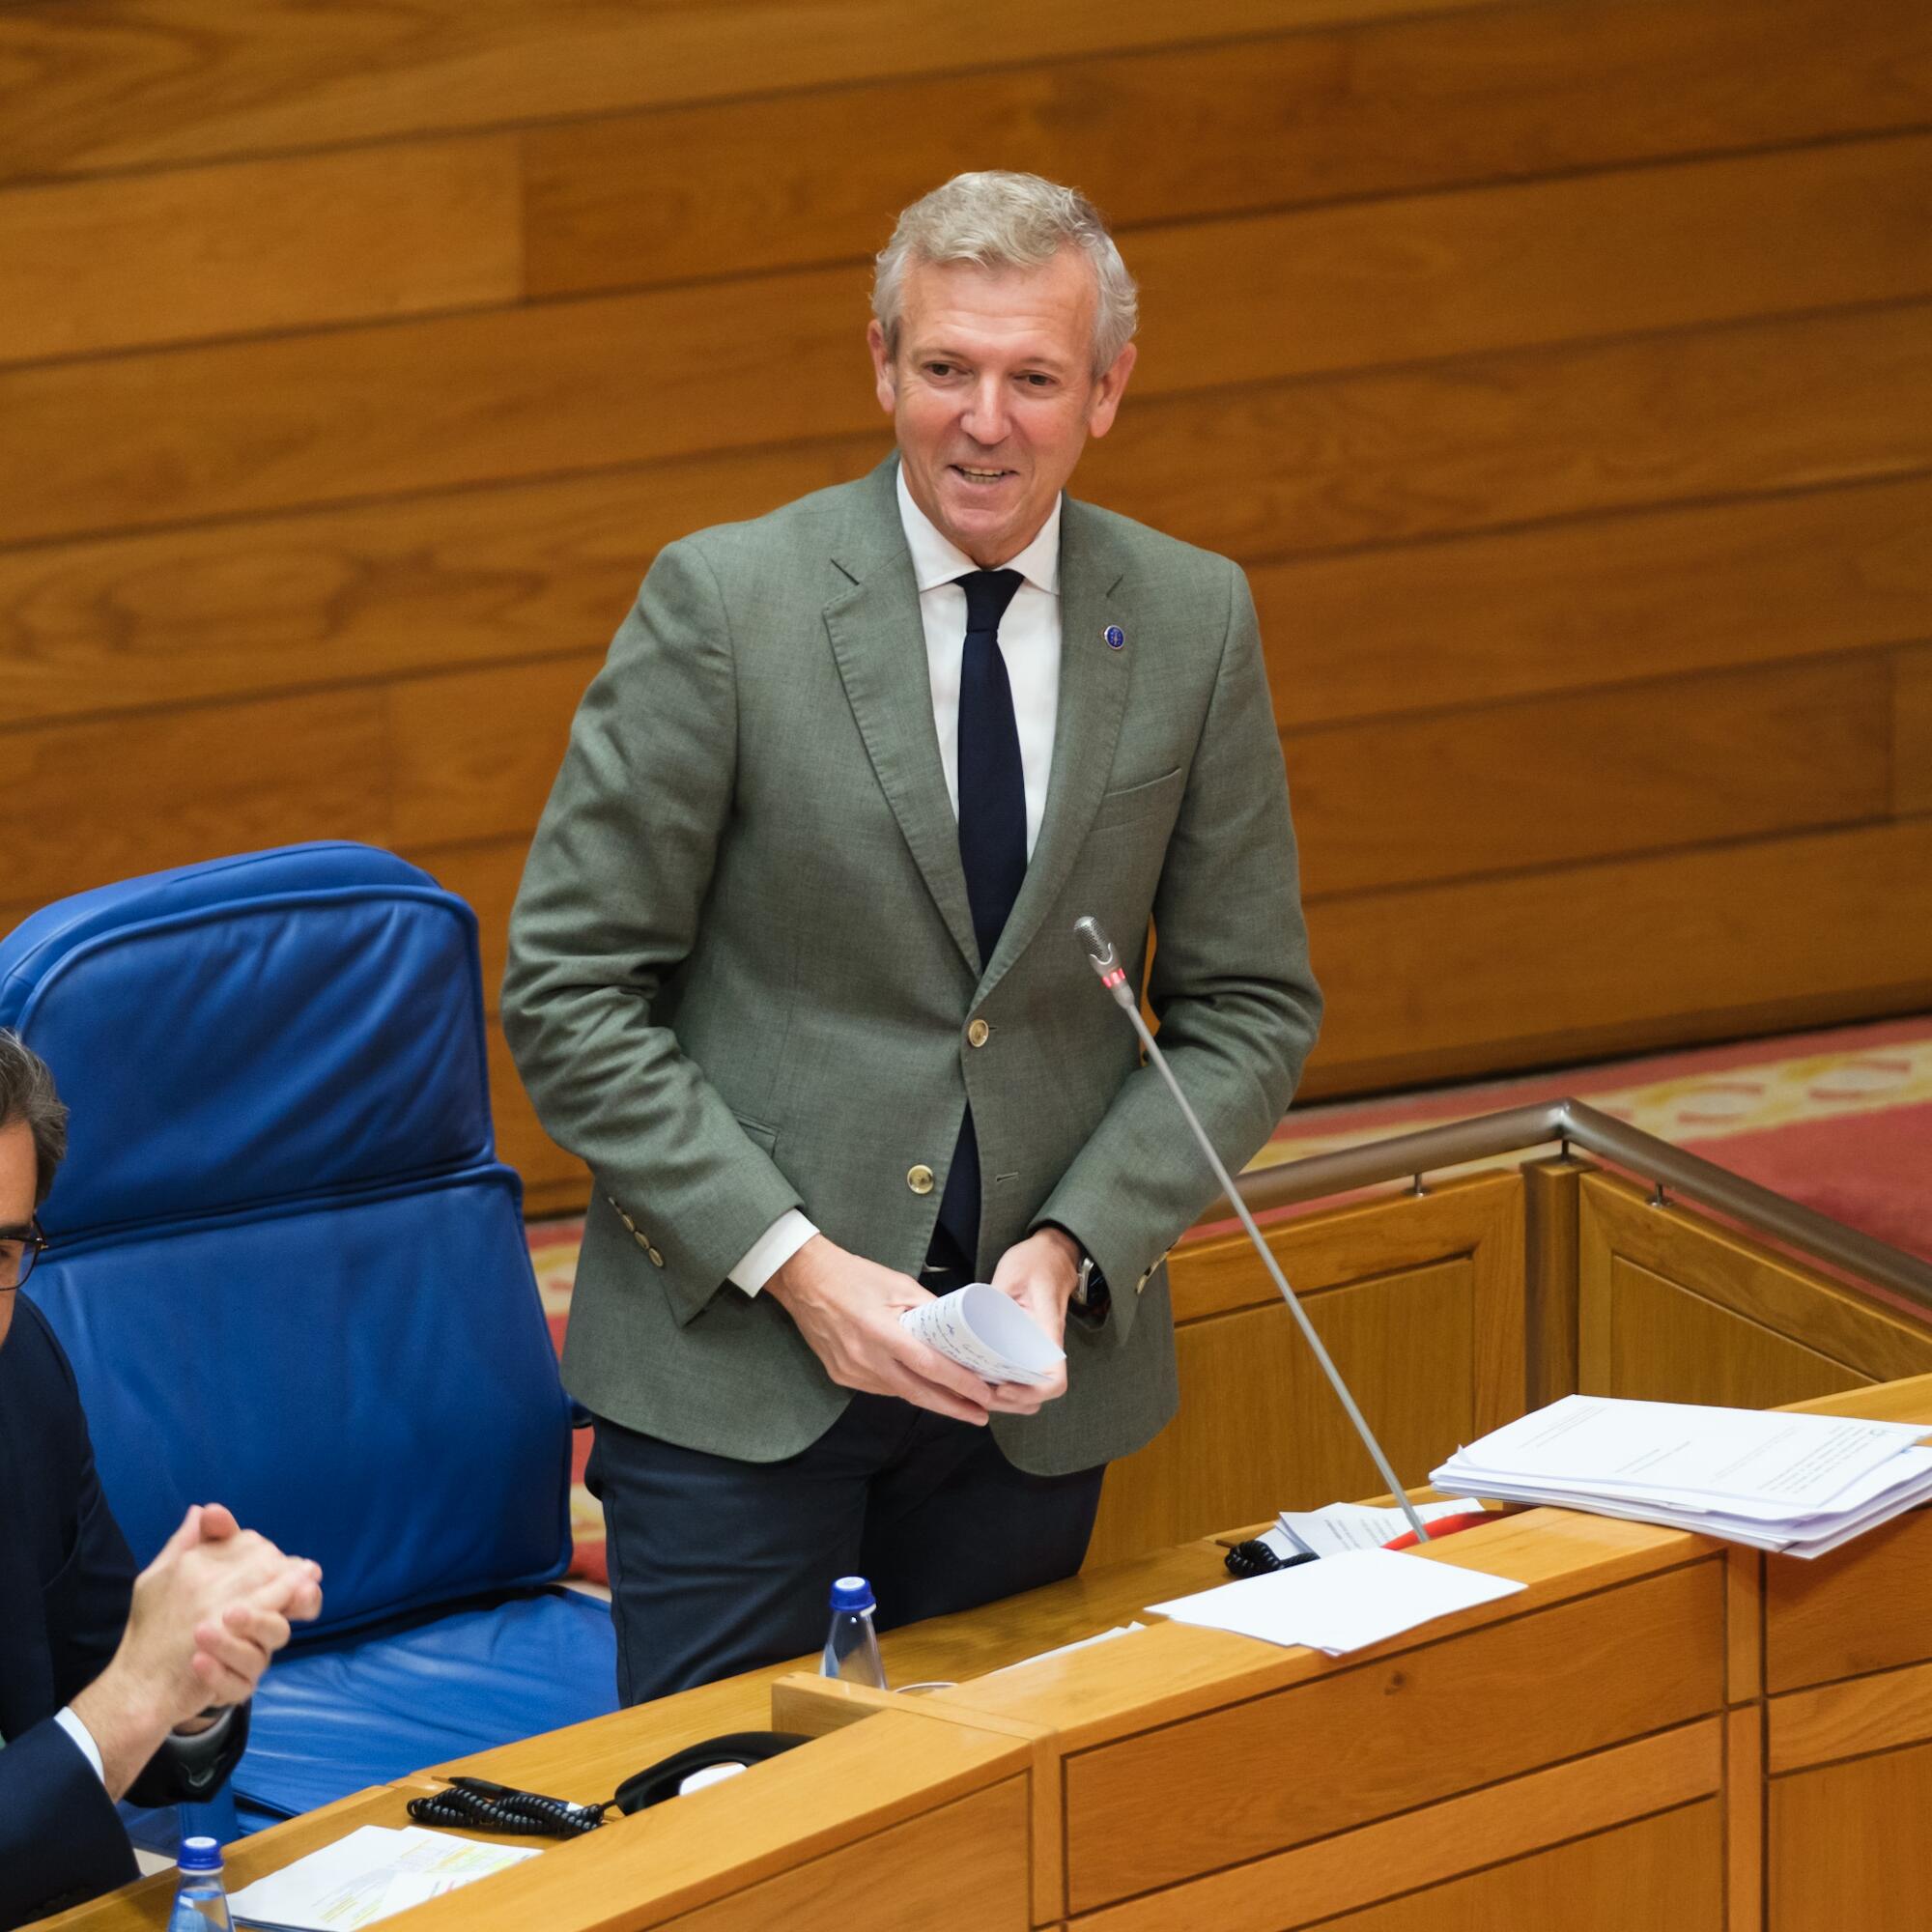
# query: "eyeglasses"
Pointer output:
{"type": "Point", "coordinates": [19, 1256]}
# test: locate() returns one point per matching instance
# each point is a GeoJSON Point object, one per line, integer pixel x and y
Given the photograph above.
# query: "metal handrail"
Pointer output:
{"type": "Point", "coordinates": [1516, 1129]}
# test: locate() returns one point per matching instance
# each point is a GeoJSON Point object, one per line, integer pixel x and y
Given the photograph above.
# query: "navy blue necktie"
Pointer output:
{"type": "Point", "coordinates": [992, 837]}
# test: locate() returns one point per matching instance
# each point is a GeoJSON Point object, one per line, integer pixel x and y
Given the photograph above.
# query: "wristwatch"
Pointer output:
{"type": "Point", "coordinates": [1091, 1293]}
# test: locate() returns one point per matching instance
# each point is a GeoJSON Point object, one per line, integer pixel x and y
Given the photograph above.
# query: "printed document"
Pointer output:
{"type": "Point", "coordinates": [373, 1872]}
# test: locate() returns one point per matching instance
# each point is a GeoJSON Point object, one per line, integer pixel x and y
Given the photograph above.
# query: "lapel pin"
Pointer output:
{"type": "Point", "coordinates": [1115, 637]}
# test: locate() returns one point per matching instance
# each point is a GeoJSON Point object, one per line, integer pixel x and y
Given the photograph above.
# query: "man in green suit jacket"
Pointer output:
{"type": "Point", "coordinates": [793, 969]}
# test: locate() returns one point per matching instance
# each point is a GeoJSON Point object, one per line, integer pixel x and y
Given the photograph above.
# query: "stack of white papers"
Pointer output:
{"type": "Point", "coordinates": [1339, 1526]}
{"type": "Point", "coordinates": [1339, 1605]}
{"type": "Point", "coordinates": [366, 1876]}
{"type": "Point", "coordinates": [1800, 1483]}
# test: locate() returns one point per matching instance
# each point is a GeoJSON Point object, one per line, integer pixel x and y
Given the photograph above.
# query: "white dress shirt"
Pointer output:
{"type": "Point", "coordinates": [76, 1728]}
{"type": "Point", "coordinates": [1030, 643]}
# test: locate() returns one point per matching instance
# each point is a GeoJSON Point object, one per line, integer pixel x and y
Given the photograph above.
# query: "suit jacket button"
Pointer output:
{"type": "Point", "coordinates": [919, 1179]}
{"type": "Point", "coordinates": [978, 1033]}
{"type": "Point", "coordinates": [657, 1260]}
{"type": "Point", "coordinates": [642, 1240]}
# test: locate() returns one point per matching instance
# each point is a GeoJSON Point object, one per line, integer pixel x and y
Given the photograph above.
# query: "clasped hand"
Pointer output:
{"type": "Point", "coordinates": [848, 1311]}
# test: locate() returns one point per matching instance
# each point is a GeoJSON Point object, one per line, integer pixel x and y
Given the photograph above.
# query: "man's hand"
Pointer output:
{"type": "Point", "coordinates": [207, 1614]}
{"type": "Point", "coordinates": [848, 1309]}
{"type": "Point", "coordinates": [1041, 1273]}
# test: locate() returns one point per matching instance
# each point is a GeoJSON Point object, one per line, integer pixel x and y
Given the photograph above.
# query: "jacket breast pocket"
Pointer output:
{"type": "Point", "coordinates": [1130, 804]}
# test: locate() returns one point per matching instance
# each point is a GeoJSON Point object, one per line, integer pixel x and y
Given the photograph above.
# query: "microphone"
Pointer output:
{"type": "Point", "coordinates": [1113, 975]}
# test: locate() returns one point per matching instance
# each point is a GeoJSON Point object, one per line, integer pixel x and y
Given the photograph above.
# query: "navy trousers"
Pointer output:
{"type": "Point", "coordinates": [718, 1566]}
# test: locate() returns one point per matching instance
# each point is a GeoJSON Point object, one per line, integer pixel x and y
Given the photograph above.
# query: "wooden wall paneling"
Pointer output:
{"type": "Point", "coordinates": [1683, 760]}
{"type": "Point", "coordinates": [384, 590]}
{"type": "Point", "coordinates": [1668, 1251]}
{"type": "Point", "coordinates": [92, 802]}
{"type": "Point", "coordinates": [1391, 1735]}
{"type": "Point", "coordinates": [175, 80]}
{"type": "Point", "coordinates": [1860, 1609]}
{"type": "Point", "coordinates": [1838, 1845]}
{"type": "Point", "coordinates": [1375, 457]}
{"type": "Point", "coordinates": [608, 379]}
{"type": "Point", "coordinates": [1369, 107]}
{"type": "Point", "coordinates": [1655, 594]}
{"type": "Point", "coordinates": [1428, 1334]}
{"type": "Point", "coordinates": [1912, 731]}
{"type": "Point", "coordinates": [1424, 1850]}
{"type": "Point", "coordinates": [1441, 981]}
{"type": "Point", "coordinates": [1551, 1291]}
{"type": "Point", "coordinates": [282, 243]}
{"type": "Point", "coordinates": [476, 752]}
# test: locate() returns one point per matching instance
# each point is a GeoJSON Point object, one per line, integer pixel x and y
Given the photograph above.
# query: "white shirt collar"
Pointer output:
{"type": "Point", "coordinates": [936, 559]}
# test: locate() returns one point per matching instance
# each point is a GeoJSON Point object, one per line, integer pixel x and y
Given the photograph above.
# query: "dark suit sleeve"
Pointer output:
{"type": "Point", "coordinates": [60, 1839]}
{"type": "Point", "coordinates": [1231, 986]}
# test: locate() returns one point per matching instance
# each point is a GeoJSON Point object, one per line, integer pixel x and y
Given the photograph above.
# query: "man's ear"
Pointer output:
{"type": "Point", "coordinates": [1108, 391]}
{"type": "Point", "coordinates": [885, 378]}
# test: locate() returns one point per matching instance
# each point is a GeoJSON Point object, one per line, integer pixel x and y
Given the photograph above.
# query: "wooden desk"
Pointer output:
{"type": "Point", "coordinates": [1658, 1734]}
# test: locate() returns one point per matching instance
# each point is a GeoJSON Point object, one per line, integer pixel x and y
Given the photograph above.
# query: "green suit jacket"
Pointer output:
{"type": "Point", "coordinates": [741, 964]}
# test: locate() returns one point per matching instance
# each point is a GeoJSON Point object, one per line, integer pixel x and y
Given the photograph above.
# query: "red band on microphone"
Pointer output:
{"type": "Point", "coordinates": [1114, 978]}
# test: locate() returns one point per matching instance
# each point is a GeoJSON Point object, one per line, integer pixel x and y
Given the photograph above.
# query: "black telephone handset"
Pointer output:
{"type": "Point", "coordinates": [476, 1805]}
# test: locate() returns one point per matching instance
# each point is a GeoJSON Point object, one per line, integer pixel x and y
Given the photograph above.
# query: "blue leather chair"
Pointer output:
{"type": "Point", "coordinates": [292, 1276]}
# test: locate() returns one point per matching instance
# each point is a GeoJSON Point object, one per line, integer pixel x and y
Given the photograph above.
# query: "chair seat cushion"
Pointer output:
{"type": "Point", "coordinates": [366, 1709]}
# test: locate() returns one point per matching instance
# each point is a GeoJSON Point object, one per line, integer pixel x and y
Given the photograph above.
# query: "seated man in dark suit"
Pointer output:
{"type": "Point", "coordinates": [111, 1684]}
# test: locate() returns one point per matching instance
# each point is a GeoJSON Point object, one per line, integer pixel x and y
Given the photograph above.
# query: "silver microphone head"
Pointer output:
{"type": "Point", "coordinates": [1099, 947]}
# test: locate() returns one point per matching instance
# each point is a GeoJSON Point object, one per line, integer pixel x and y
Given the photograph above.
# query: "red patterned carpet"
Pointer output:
{"type": "Point", "coordinates": [1840, 1120]}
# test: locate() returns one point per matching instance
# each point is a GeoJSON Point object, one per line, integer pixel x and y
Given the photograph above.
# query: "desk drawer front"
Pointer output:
{"type": "Point", "coordinates": [1867, 1606]}
{"type": "Point", "coordinates": [1373, 1739]}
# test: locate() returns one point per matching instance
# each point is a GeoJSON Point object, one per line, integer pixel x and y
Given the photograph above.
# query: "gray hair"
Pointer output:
{"type": "Point", "coordinates": [28, 1093]}
{"type": "Point", "coordinates": [1003, 220]}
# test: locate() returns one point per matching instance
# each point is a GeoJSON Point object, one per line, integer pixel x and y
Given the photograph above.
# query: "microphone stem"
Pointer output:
{"type": "Point", "coordinates": [1129, 1005]}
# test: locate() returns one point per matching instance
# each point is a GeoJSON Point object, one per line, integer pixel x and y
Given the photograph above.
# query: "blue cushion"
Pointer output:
{"type": "Point", "coordinates": [332, 1719]}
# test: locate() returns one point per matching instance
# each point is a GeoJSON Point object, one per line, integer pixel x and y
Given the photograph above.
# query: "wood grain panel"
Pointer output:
{"type": "Point", "coordinates": [1374, 457]}
{"type": "Point", "coordinates": [1651, 595]}
{"type": "Point", "coordinates": [1912, 732]}
{"type": "Point", "coordinates": [1863, 1608]}
{"type": "Point", "coordinates": [1659, 1875]}
{"type": "Point", "coordinates": [910, 1875]}
{"type": "Point", "coordinates": [1668, 1344]}
{"type": "Point", "coordinates": [1442, 981]}
{"type": "Point", "coordinates": [476, 752]}
{"type": "Point", "coordinates": [1744, 1819]}
{"type": "Point", "coordinates": [1872, 1341]}
{"type": "Point", "coordinates": [273, 244]}
{"type": "Point", "coordinates": [1550, 1211]}
{"type": "Point", "coordinates": [1424, 1849]}
{"type": "Point", "coordinates": [1849, 1718]}
{"type": "Point", "coordinates": [1258, 1428]}
{"type": "Point", "coordinates": [140, 81]}
{"type": "Point", "coordinates": [531, 569]}
{"type": "Point", "coordinates": [1679, 761]}
{"type": "Point", "coordinates": [1375, 107]}
{"type": "Point", "coordinates": [426, 404]}
{"type": "Point", "coordinates": [1836, 1858]}
{"type": "Point", "coordinates": [90, 803]}
{"type": "Point", "coordinates": [346, 594]}
{"type": "Point", "coordinates": [1413, 1728]}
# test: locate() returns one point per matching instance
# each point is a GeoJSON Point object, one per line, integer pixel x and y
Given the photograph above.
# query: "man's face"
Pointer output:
{"type": "Point", "coordinates": [993, 394]}
{"type": "Point", "coordinates": [18, 1175]}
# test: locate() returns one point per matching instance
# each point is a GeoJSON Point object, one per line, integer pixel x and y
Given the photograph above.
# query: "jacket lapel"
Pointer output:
{"type": "Point", "coordinates": [1092, 700]}
{"type": "Point", "coordinates": [879, 642]}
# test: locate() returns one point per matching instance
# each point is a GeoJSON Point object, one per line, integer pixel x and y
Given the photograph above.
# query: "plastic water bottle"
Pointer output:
{"type": "Point", "coordinates": [852, 1645]}
{"type": "Point", "coordinates": [201, 1905]}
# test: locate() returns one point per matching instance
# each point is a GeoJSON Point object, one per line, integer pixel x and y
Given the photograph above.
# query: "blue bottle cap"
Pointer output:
{"type": "Point", "coordinates": [852, 1593]}
{"type": "Point", "coordinates": [200, 1855]}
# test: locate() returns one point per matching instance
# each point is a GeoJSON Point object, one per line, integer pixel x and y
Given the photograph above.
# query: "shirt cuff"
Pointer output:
{"type": "Point", "coordinates": [83, 1738]}
{"type": "Point", "coordinates": [769, 1252]}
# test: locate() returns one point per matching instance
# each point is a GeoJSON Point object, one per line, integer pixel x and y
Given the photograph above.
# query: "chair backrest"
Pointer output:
{"type": "Point", "coordinates": [287, 1265]}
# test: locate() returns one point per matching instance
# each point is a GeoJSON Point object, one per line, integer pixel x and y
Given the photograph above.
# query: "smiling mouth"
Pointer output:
{"type": "Point", "coordinates": [983, 476]}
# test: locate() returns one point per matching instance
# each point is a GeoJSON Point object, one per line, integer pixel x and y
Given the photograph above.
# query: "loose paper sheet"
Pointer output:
{"type": "Point", "coordinates": [1341, 1602]}
{"type": "Point", "coordinates": [368, 1875]}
